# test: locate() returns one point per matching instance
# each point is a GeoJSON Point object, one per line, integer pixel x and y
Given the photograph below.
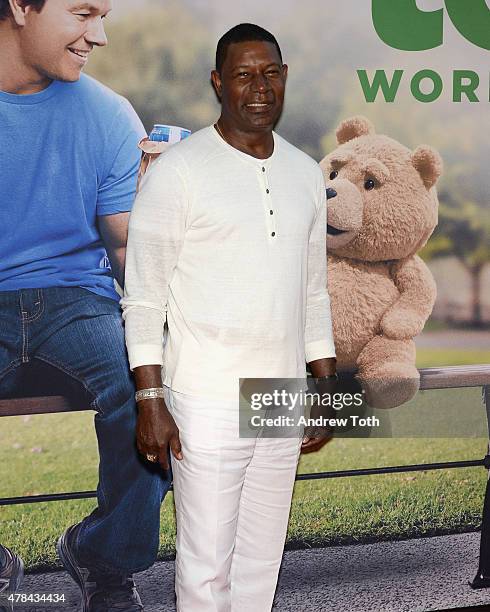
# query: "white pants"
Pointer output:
{"type": "Point", "coordinates": [232, 501]}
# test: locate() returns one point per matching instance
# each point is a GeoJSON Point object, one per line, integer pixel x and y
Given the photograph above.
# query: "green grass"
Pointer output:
{"type": "Point", "coordinates": [412, 504]}
{"type": "Point", "coordinates": [55, 453]}
{"type": "Point", "coordinates": [437, 325]}
{"type": "Point", "coordinates": [432, 357]}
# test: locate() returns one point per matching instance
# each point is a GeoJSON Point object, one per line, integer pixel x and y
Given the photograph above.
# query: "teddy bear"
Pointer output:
{"type": "Point", "coordinates": [381, 209]}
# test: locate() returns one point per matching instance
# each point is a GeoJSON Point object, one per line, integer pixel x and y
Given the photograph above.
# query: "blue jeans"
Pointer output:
{"type": "Point", "coordinates": [80, 334]}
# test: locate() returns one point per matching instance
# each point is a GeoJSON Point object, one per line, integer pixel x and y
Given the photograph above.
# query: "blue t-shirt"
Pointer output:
{"type": "Point", "coordinates": [67, 155]}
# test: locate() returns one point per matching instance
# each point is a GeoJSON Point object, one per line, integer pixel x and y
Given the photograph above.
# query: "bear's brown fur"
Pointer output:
{"type": "Point", "coordinates": [382, 208]}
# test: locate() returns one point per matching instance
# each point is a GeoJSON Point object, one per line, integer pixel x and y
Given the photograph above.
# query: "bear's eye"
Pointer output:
{"type": "Point", "coordinates": [369, 184]}
{"type": "Point", "coordinates": [333, 174]}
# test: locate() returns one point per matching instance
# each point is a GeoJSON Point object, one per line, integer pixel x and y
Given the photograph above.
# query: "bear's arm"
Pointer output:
{"type": "Point", "coordinates": [407, 316]}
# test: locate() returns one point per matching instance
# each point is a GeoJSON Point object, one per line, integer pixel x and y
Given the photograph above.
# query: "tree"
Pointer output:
{"type": "Point", "coordinates": [160, 59]}
{"type": "Point", "coordinates": [463, 231]}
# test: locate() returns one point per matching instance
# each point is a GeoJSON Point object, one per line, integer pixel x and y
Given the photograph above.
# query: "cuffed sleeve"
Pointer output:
{"type": "Point", "coordinates": [319, 342]}
{"type": "Point", "coordinates": [156, 233]}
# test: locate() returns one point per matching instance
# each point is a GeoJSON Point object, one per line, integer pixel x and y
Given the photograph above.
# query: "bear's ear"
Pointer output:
{"type": "Point", "coordinates": [428, 164]}
{"type": "Point", "coordinates": [354, 127]}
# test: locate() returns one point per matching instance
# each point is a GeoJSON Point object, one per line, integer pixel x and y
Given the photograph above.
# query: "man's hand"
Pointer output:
{"type": "Point", "coordinates": [313, 444]}
{"type": "Point", "coordinates": [156, 431]}
{"type": "Point", "coordinates": [315, 438]}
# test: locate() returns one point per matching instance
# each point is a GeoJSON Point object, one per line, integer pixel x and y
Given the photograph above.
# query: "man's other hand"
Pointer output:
{"type": "Point", "coordinates": [156, 431]}
{"type": "Point", "coordinates": [311, 445]}
{"type": "Point", "coordinates": [316, 436]}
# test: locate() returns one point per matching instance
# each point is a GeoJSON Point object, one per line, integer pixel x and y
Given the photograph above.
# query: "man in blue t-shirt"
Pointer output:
{"type": "Point", "coordinates": [68, 178]}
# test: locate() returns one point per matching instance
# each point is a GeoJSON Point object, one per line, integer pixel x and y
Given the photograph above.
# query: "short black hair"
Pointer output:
{"type": "Point", "coordinates": [6, 12]}
{"type": "Point", "coordinates": [243, 32]}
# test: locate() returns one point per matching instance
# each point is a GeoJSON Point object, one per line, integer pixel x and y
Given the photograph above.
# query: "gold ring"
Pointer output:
{"type": "Point", "coordinates": [152, 458]}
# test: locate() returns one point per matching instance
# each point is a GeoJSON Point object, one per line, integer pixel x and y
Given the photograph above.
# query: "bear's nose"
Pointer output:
{"type": "Point", "coordinates": [331, 193]}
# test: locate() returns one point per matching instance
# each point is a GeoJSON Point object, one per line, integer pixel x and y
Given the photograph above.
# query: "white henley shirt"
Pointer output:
{"type": "Point", "coordinates": [230, 251]}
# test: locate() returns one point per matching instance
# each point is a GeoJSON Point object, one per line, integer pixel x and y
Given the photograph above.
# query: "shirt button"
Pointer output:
{"type": "Point", "coordinates": [271, 212]}
{"type": "Point", "coordinates": [263, 169]}
{"type": "Point", "coordinates": [267, 191]}
{"type": "Point", "coordinates": [273, 234]}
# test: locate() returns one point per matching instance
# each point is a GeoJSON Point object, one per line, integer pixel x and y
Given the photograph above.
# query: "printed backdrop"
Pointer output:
{"type": "Point", "coordinates": [418, 70]}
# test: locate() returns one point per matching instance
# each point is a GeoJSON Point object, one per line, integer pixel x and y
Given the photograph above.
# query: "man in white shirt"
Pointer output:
{"type": "Point", "coordinates": [227, 244]}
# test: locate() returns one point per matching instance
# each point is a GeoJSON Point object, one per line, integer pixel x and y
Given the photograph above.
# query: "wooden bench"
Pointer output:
{"type": "Point", "coordinates": [430, 378]}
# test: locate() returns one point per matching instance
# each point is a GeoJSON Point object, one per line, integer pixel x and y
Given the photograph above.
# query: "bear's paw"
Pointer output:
{"type": "Point", "coordinates": [401, 324]}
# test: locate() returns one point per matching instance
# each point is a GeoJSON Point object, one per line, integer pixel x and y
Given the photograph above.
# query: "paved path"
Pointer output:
{"type": "Point", "coordinates": [408, 576]}
{"type": "Point", "coordinates": [454, 339]}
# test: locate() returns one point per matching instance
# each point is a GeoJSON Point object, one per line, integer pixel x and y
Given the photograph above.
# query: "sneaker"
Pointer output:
{"type": "Point", "coordinates": [11, 576]}
{"type": "Point", "coordinates": [114, 595]}
{"type": "Point", "coordinates": [100, 593]}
